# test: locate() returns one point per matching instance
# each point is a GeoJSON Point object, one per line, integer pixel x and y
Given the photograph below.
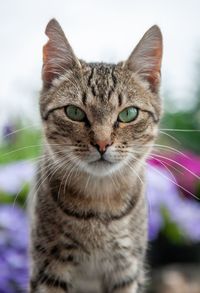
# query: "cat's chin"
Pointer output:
{"type": "Point", "coordinates": [102, 168]}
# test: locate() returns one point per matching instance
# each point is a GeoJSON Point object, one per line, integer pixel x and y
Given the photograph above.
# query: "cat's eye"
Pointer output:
{"type": "Point", "coordinates": [127, 115]}
{"type": "Point", "coordinates": [75, 113]}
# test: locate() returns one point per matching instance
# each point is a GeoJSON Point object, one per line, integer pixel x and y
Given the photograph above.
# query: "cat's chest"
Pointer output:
{"type": "Point", "coordinates": [113, 249]}
{"type": "Point", "coordinates": [100, 245]}
{"type": "Point", "coordinates": [97, 236]}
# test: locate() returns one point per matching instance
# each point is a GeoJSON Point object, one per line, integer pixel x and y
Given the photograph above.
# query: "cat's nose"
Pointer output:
{"type": "Point", "coordinates": [102, 145]}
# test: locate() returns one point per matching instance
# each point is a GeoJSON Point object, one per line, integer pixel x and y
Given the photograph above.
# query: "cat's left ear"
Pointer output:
{"type": "Point", "coordinates": [146, 58]}
{"type": "Point", "coordinates": [58, 56]}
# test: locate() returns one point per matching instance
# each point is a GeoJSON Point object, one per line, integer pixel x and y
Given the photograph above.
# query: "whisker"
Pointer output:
{"type": "Point", "coordinates": [135, 173]}
{"type": "Point", "coordinates": [161, 146]}
{"type": "Point", "coordinates": [42, 180]}
{"type": "Point", "coordinates": [153, 155]}
{"type": "Point", "coordinates": [149, 204]}
{"type": "Point", "coordinates": [18, 193]}
{"type": "Point", "coordinates": [180, 130]}
{"type": "Point", "coordinates": [172, 137]}
{"type": "Point", "coordinates": [174, 182]}
{"type": "Point", "coordinates": [65, 173]}
{"type": "Point", "coordinates": [46, 168]}
{"type": "Point", "coordinates": [87, 182]}
{"type": "Point", "coordinates": [33, 146]}
{"type": "Point", "coordinates": [21, 129]}
{"type": "Point", "coordinates": [171, 166]}
{"type": "Point", "coordinates": [182, 166]}
{"type": "Point", "coordinates": [165, 167]}
{"type": "Point", "coordinates": [172, 149]}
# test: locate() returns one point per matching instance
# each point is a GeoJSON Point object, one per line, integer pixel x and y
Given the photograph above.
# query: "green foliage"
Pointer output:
{"type": "Point", "coordinates": [171, 229]}
{"type": "Point", "coordinates": [187, 121]}
{"type": "Point", "coordinates": [189, 124]}
{"type": "Point", "coordinates": [19, 198]}
{"type": "Point", "coordinates": [20, 145]}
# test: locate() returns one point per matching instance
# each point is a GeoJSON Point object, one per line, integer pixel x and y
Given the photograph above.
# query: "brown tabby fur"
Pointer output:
{"type": "Point", "coordinates": [89, 217]}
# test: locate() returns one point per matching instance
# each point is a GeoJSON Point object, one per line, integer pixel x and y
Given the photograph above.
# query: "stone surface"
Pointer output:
{"type": "Point", "coordinates": [176, 279]}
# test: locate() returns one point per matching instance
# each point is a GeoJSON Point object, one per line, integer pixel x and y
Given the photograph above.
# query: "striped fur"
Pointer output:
{"type": "Point", "coordinates": [89, 217]}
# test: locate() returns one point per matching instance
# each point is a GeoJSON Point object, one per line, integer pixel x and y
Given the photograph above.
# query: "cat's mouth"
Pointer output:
{"type": "Point", "coordinates": [101, 160]}
{"type": "Point", "coordinates": [102, 167]}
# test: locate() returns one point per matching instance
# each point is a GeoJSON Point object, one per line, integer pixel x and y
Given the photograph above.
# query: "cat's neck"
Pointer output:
{"type": "Point", "coordinates": [90, 196]}
{"type": "Point", "coordinates": [89, 185]}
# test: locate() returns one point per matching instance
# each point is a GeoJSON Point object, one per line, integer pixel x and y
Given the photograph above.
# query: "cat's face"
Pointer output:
{"type": "Point", "coordinates": [99, 117]}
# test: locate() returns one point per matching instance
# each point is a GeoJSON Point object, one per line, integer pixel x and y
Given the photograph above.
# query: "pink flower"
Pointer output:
{"type": "Point", "coordinates": [186, 169]}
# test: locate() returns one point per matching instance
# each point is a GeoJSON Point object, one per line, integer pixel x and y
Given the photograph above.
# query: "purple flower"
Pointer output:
{"type": "Point", "coordinates": [9, 133]}
{"type": "Point", "coordinates": [187, 216]}
{"type": "Point", "coordinates": [162, 192]}
{"type": "Point", "coordinates": [13, 220]}
{"type": "Point", "coordinates": [13, 249]}
{"type": "Point", "coordinates": [155, 224]}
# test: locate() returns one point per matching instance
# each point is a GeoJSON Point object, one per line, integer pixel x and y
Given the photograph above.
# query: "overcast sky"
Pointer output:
{"type": "Point", "coordinates": [98, 30]}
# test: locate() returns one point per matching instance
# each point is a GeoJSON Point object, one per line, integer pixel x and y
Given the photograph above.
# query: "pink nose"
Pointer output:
{"type": "Point", "coordinates": [102, 145]}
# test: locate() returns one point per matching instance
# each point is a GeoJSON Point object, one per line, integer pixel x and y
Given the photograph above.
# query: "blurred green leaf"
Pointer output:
{"type": "Point", "coordinates": [171, 229]}
{"type": "Point", "coordinates": [24, 145]}
{"type": "Point", "coordinates": [185, 121]}
{"type": "Point", "coordinates": [19, 198]}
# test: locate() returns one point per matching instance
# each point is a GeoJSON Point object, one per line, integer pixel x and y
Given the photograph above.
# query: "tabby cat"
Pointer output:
{"type": "Point", "coordinates": [89, 214]}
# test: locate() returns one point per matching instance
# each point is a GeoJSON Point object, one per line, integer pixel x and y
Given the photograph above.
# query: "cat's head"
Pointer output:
{"type": "Point", "coordinates": [100, 117]}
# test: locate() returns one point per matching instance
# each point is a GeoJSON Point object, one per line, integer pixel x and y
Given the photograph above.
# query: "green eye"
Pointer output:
{"type": "Point", "coordinates": [128, 115]}
{"type": "Point", "coordinates": [75, 113]}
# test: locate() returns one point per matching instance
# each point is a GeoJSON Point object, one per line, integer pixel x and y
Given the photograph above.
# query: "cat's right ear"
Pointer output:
{"type": "Point", "coordinates": [58, 55]}
{"type": "Point", "coordinates": [146, 58]}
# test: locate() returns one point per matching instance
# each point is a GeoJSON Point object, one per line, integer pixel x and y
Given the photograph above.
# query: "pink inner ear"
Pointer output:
{"type": "Point", "coordinates": [145, 60]}
{"type": "Point", "coordinates": [49, 72]}
{"type": "Point", "coordinates": [58, 55]}
{"type": "Point", "coordinates": [154, 81]}
{"type": "Point", "coordinates": [55, 61]}
{"type": "Point", "coordinates": [153, 75]}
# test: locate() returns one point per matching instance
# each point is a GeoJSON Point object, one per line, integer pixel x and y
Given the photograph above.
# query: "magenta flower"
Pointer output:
{"type": "Point", "coordinates": [189, 173]}
{"type": "Point", "coordinates": [186, 169]}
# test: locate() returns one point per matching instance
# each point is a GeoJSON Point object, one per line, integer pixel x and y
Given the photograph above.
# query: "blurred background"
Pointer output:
{"type": "Point", "coordinates": [106, 31]}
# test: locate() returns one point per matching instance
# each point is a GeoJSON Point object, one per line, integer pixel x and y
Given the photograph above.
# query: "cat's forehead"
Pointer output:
{"type": "Point", "coordinates": [110, 85]}
{"type": "Point", "coordinates": [101, 80]}
{"type": "Point", "coordinates": [100, 89]}
{"type": "Point", "coordinates": [97, 84]}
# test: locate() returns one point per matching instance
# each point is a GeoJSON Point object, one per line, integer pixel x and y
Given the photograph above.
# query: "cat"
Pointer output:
{"type": "Point", "coordinates": [89, 212]}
